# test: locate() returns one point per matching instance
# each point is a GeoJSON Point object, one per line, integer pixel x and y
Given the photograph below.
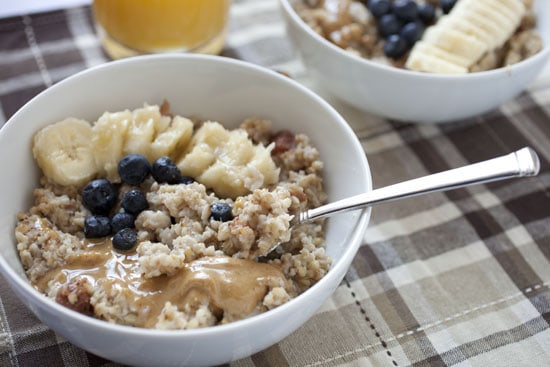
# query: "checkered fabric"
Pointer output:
{"type": "Point", "coordinates": [449, 279]}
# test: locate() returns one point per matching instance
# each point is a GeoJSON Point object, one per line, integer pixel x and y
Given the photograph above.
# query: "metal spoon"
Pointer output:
{"type": "Point", "coordinates": [521, 163]}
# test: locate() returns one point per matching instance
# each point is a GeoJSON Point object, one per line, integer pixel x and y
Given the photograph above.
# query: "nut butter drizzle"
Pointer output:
{"type": "Point", "coordinates": [233, 287]}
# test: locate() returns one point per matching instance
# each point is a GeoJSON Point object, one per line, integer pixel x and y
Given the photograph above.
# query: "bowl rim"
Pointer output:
{"type": "Point", "coordinates": [349, 252]}
{"type": "Point", "coordinates": [330, 47]}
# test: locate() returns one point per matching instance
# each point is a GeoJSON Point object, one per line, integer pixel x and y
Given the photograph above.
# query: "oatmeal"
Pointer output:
{"type": "Point", "coordinates": [147, 219]}
{"type": "Point", "coordinates": [447, 36]}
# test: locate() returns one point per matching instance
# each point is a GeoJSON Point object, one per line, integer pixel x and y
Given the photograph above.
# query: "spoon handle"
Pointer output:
{"type": "Point", "coordinates": [523, 162]}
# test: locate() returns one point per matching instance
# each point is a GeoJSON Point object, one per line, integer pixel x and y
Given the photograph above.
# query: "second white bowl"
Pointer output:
{"type": "Point", "coordinates": [407, 95]}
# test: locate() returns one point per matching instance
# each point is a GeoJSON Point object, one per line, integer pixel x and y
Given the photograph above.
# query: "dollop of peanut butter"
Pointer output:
{"type": "Point", "coordinates": [233, 288]}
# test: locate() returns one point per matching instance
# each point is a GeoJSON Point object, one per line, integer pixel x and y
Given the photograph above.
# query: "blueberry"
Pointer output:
{"type": "Point", "coordinates": [388, 25]}
{"type": "Point", "coordinates": [221, 211]}
{"type": "Point", "coordinates": [125, 239]}
{"type": "Point", "coordinates": [165, 171]}
{"type": "Point", "coordinates": [379, 7]}
{"type": "Point", "coordinates": [134, 201]}
{"type": "Point", "coordinates": [133, 169]}
{"type": "Point", "coordinates": [395, 46]}
{"type": "Point", "coordinates": [122, 220]}
{"type": "Point", "coordinates": [411, 32]}
{"type": "Point", "coordinates": [186, 180]}
{"type": "Point", "coordinates": [99, 196]}
{"type": "Point", "coordinates": [406, 10]}
{"type": "Point", "coordinates": [97, 226]}
{"type": "Point", "coordinates": [426, 13]}
{"type": "Point", "coordinates": [447, 5]}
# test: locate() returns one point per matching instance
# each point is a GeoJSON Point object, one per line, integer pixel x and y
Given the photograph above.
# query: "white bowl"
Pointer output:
{"type": "Point", "coordinates": [407, 95]}
{"type": "Point", "coordinates": [210, 87]}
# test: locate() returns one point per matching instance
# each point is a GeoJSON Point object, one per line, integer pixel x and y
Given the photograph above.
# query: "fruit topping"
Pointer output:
{"type": "Point", "coordinates": [389, 24]}
{"type": "Point", "coordinates": [134, 201]}
{"type": "Point", "coordinates": [64, 153]}
{"type": "Point", "coordinates": [108, 139]}
{"type": "Point", "coordinates": [404, 18]}
{"type": "Point", "coordinates": [411, 32]}
{"type": "Point", "coordinates": [133, 169]}
{"type": "Point", "coordinates": [469, 30]}
{"type": "Point", "coordinates": [76, 295]}
{"type": "Point", "coordinates": [165, 171]}
{"type": "Point", "coordinates": [406, 10]}
{"type": "Point", "coordinates": [227, 162]}
{"type": "Point", "coordinates": [125, 239]}
{"type": "Point", "coordinates": [97, 226]}
{"type": "Point", "coordinates": [144, 125]}
{"type": "Point", "coordinates": [99, 196]}
{"type": "Point", "coordinates": [121, 221]}
{"type": "Point", "coordinates": [379, 7]}
{"type": "Point", "coordinates": [284, 141]}
{"type": "Point", "coordinates": [173, 140]}
{"type": "Point", "coordinates": [426, 12]}
{"type": "Point", "coordinates": [395, 46]}
{"type": "Point", "coordinates": [221, 211]}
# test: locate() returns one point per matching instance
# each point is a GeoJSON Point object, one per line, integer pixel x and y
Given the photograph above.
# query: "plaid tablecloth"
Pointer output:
{"type": "Point", "coordinates": [452, 279]}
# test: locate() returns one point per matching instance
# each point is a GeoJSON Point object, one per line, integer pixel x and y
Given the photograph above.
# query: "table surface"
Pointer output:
{"type": "Point", "coordinates": [449, 279]}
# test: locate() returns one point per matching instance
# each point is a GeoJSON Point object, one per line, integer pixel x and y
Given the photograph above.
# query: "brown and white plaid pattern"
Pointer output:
{"type": "Point", "coordinates": [451, 279]}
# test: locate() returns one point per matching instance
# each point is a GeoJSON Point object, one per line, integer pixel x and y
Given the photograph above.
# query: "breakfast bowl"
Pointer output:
{"type": "Point", "coordinates": [209, 88]}
{"type": "Point", "coordinates": [406, 95]}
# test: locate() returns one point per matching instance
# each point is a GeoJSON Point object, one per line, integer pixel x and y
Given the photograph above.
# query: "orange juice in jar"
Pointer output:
{"type": "Point", "coordinates": [133, 27]}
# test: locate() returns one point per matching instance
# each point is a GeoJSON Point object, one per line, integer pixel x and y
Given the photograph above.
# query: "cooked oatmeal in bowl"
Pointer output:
{"type": "Point", "coordinates": [169, 223]}
{"type": "Point", "coordinates": [448, 36]}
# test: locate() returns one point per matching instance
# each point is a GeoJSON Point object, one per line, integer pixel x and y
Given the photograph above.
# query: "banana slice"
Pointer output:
{"type": "Point", "coordinates": [500, 8]}
{"type": "Point", "coordinates": [460, 39]}
{"type": "Point", "coordinates": [229, 174]}
{"type": "Point", "coordinates": [504, 25]}
{"type": "Point", "coordinates": [517, 7]}
{"type": "Point", "coordinates": [108, 140]}
{"type": "Point", "coordinates": [513, 10]}
{"type": "Point", "coordinates": [200, 154]}
{"type": "Point", "coordinates": [429, 49]}
{"type": "Point", "coordinates": [424, 48]}
{"type": "Point", "coordinates": [211, 133]}
{"type": "Point", "coordinates": [197, 161]}
{"type": "Point", "coordinates": [486, 16]}
{"type": "Point", "coordinates": [467, 27]}
{"type": "Point", "coordinates": [420, 61]}
{"type": "Point", "coordinates": [228, 178]}
{"type": "Point", "coordinates": [481, 22]}
{"type": "Point", "coordinates": [263, 162]}
{"type": "Point", "coordinates": [146, 123]}
{"type": "Point", "coordinates": [455, 42]}
{"type": "Point", "coordinates": [64, 152]}
{"type": "Point", "coordinates": [227, 161]}
{"type": "Point", "coordinates": [493, 13]}
{"type": "Point", "coordinates": [237, 150]}
{"type": "Point", "coordinates": [172, 141]}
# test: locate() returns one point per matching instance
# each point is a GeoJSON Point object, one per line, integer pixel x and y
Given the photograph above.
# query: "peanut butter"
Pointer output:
{"type": "Point", "coordinates": [234, 288]}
